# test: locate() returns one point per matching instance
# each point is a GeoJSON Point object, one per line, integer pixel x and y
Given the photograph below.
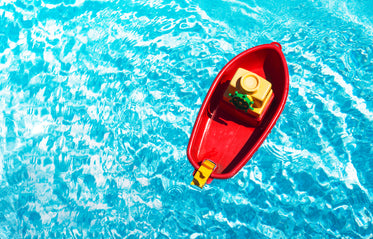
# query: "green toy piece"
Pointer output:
{"type": "Point", "coordinates": [241, 101]}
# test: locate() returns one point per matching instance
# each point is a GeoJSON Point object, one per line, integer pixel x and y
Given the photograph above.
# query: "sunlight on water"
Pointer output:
{"type": "Point", "coordinates": [98, 100]}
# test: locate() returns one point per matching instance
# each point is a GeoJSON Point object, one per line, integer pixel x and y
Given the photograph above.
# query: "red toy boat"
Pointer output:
{"type": "Point", "coordinates": [227, 131]}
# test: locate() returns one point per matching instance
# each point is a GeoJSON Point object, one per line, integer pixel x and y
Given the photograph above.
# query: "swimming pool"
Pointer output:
{"type": "Point", "coordinates": [98, 100]}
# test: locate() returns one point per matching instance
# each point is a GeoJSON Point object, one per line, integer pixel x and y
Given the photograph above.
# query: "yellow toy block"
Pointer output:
{"type": "Point", "coordinates": [249, 92]}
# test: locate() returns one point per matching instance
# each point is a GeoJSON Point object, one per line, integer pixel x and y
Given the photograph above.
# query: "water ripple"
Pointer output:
{"type": "Point", "coordinates": [98, 100]}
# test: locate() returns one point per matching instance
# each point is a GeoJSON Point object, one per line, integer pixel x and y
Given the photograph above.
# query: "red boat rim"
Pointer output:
{"type": "Point", "coordinates": [273, 46]}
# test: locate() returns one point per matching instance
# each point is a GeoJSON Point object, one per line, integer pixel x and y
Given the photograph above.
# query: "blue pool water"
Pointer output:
{"type": "Point", "coordinates": [98, 100]}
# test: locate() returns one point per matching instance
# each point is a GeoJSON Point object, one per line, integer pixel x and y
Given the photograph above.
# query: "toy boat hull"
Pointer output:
{"type": "Point", "coordinates": [223, 134]}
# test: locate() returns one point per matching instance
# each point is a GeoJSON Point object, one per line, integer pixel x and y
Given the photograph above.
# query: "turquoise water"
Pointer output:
{"type": "Point", "coordinates": [98, 100]}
